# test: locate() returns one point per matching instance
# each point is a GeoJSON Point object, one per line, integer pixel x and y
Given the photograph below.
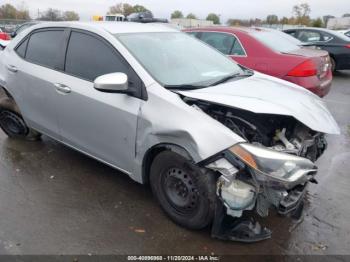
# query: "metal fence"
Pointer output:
{"type": "Point", "coordinates": [9, 25]}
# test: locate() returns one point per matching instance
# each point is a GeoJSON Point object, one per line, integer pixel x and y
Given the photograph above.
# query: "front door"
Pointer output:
{"type": "Point", "coordinates": [100, 124]}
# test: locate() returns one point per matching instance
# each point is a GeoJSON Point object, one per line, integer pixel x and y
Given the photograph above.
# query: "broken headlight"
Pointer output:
{"type": "Point", "coordinates": [272, 166]}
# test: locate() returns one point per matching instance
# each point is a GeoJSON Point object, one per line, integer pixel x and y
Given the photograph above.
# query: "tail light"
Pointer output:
{"type": "Point", "coordinates": [307, 68]}
{"type": "Point", "coordinates": [347, 46]}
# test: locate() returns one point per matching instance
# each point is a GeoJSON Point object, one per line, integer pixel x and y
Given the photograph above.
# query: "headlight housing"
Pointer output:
{"type": "Point", "coordinates": [269, 164]}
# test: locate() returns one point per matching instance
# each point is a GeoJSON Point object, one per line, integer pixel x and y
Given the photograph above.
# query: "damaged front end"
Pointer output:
{"type": "Point", "coordinates": [255, 178]}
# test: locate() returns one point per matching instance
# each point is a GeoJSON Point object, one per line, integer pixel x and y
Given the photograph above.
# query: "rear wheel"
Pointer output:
{"type": "Point", "coordinates": [12, 123]}
{"type": "Point", "coordinates": [333, 65]}
{"type": "Point", "coordinates": [185, 192]}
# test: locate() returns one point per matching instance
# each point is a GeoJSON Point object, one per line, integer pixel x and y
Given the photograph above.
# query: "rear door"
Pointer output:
{"type": "Point", "coordinates": [32, 74]}
{"type": "Point", "coordinates": [100, 124]}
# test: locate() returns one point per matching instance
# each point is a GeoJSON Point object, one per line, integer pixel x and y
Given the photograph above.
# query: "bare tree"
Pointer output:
{"type": "Point", "coordinates": [8, 11]}
{"type": "Point", "coordinates": [302, 13]}
{"type": "Point", "coordinates": [23, 11]}
{"type": "Point", "coordinates": [70, 16]}
{"type": "Point", "coordinates": [51, 15]}
{"type": "Point", "coordinates": [121, 8]}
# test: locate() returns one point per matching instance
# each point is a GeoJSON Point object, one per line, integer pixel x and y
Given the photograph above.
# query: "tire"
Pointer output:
{"type": "Point", "coordinates": [12, 123]}
{"type": "Point", "coordinates": [333, 65]}
{"type": "Point", "coordinates": [185, 192]}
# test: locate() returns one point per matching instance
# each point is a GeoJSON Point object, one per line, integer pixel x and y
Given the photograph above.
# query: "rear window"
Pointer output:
{"type": "Point", "coordinates": [44, 47]}
{"type": "Point", "coordinates": [277, 41]}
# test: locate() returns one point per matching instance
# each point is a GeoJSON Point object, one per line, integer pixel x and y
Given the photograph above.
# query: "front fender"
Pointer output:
{"type": "Point", "coordinates": [166, 119]}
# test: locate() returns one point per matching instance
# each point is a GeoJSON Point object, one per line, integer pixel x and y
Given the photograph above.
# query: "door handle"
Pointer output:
{"type": "Point", "coordinates": [62, 88]}
{"type": "Point", "coordinates": [12, 68]}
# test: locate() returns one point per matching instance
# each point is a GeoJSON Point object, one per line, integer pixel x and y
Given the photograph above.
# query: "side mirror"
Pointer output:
{"type": "Point", "coordinates": [114, 82]}
{"type": "Point", "coordinates": [13, 34]}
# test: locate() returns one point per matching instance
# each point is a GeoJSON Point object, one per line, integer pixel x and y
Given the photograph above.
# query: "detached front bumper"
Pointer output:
{"type": "Point", "coordinates": [243, 190]}
{"type": "Point", "coordinates": [230, 223]}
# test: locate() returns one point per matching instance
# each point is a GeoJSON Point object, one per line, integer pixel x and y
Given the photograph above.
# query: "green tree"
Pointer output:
{"type": "Point", "coordinates": [272, 19]}
{"type": "Point", "coordinates": [191, 16]}
{"type": "Point", "coordinates": [177, 14]}
{"type": "Point", "coordinates": [302, 13]}
{"type": "Point", "coordinates": [70, 16]}
{"type": "Point", "coordinates": [317, 22]}
{"type": "Point", "coordinates": [8, 11]}
{"type": "Point", "coordinates": [213, 17]}
{"type": "Point", "coordinates": [139, 9]}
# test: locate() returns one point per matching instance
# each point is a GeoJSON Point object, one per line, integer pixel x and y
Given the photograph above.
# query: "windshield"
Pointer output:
{"type": "Point", "coordinates": [277, 41]}
{"type": "Point", "coordinates": [176, 59]}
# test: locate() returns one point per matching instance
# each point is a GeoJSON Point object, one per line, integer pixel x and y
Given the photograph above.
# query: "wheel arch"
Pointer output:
{"type": "Point", "coordinates": [152, 152]}
{"type": "Point", "coordinates": [7, 101]}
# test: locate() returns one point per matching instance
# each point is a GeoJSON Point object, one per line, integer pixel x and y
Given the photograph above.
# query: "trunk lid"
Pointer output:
{"type": "Point", "coordinates": [320, 58]}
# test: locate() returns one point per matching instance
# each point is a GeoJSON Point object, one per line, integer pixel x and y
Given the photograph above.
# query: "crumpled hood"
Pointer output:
{"type": "Point", "coordinates": [268, 95]}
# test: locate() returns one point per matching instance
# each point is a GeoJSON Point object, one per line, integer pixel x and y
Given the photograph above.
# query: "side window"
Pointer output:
{"type": "Point", "coordinates": [237, 49]}
{"type": "Point", "coordinates": [291, 32]}
{"type": "Point", "coordinates": [225, 43]}
{"type": "Point", "coordinates": [89, 57]}
{"type": "Point", "coordinates": [309, 36]}
{"type": "Point", "coordinates": [21, 49]}
{"type": "Point", "coordinates": [326, 37]}
{"type": "Point", "coordinates": [44, 47]}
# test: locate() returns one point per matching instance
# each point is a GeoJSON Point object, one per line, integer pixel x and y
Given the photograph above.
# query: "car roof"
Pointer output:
{"type": "Point", "coordinates": [311, 28]}
{"type": "Point", "coordinates": [247, 30]}
{"type": "Point", "coordinates": [113, 27]}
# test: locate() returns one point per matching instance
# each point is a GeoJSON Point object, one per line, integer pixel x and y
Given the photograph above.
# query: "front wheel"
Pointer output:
{"type": "Point", "coordinates": [184, 191]}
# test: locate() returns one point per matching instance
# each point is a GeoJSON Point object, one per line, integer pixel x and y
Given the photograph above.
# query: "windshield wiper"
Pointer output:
{"type": "Point", "coordinates": [225, 79]}
{"type": "Point", "coordinates": [184, 86]}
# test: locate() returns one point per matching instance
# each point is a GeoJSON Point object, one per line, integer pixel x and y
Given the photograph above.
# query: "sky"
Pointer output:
{"type": "Point", "coordinates": [163, 8]}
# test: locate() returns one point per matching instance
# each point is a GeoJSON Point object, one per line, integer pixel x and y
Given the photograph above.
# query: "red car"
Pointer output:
{"type": "Point", "coordinates": [273, 53]}
{"type": "Point", "coordinates": [4, 36]}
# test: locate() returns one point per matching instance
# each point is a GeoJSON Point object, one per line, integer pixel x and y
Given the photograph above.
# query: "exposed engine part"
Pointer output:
{"type": "Point", "coordinates": [224, 167]}
{"type": "Point", "coordinates": [285, 202]}
{"type": "Point", "coordinates": [281, 133]}
{"type": "Point", "coordinates": [236, 195]}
